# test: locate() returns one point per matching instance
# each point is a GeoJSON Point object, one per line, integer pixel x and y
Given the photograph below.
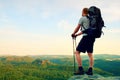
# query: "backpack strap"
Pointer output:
{"type": "Point", "coordinates": [83, 27]}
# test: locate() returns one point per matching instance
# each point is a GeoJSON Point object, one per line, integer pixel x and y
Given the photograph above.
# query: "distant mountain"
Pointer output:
{"type": "Point", "coordinates": [42, 62]}
{"type": "Point", "coordinates": [17, 58]}
{"type": "Point", "coordinates": [104, 64]}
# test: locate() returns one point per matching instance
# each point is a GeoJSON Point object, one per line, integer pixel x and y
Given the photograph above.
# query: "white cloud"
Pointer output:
{"type": "Point", "coordinates": [46, 14]}
{"type": "Point", "coordinates": [64, 24]}
{"type": "Point", "coordinates": [110, 31]}
{"type": "Point", "coordinates": [110, 9]}
{"type": "Point", "coordinates": [38, 43]}
{"type": "Point", "coordinates": [4, 18]}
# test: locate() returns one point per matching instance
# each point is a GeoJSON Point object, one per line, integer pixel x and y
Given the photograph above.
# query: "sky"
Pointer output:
{"type": "Point", "coordinates": [44, 27]}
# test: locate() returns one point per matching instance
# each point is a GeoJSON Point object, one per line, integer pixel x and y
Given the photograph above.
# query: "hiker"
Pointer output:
{"type": "Point", "coordinates": [85, 45]}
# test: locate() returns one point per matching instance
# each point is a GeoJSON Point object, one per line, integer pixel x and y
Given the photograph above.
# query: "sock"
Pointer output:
{"type": "Point", "coordinates": [80, 68]}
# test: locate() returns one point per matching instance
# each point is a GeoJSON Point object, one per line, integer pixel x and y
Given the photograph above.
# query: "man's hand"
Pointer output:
{"type": "Point", "coordinates": [73, 35]}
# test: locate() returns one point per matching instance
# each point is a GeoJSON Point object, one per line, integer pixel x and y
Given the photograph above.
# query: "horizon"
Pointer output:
{"type": "Point", "coordinates": [84, 54]}
{"type": "Point", "coordinates": [41, 27]}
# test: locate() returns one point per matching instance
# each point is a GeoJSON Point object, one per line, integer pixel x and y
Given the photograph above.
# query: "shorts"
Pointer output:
{"type": "Point", "coordinates": [86, 44]}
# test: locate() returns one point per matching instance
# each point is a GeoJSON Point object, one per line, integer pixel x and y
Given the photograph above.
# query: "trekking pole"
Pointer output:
{"type": "Point", "coordinates": [74, 47]}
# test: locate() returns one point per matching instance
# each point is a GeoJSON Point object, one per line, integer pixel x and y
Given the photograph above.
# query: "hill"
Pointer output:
{"type": "Point", "coordinates": [53, 67]}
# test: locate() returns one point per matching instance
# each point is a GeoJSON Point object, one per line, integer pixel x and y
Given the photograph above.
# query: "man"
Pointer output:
{"type": "Point", "coordinates": [85, 45]}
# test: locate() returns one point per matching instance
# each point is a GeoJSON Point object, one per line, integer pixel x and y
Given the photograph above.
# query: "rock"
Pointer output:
{"type": "Point", "coordinates": [93, 77]}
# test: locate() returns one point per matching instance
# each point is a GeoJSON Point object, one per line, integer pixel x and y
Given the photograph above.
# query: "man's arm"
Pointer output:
{"type": "Point", "coordinates": [79, 33]}
{"type": "Point", "coordinates": [76, 29]}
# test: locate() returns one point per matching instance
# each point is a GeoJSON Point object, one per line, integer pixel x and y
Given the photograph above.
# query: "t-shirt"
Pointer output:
{"type": "Point", "coordinates": [84, 22]}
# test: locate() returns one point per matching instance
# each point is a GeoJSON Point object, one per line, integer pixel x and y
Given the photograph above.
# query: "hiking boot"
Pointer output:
{"type": "Point", "coordinates": [89, 72]}
{"type": "Point", "coordinates": [79, 72]}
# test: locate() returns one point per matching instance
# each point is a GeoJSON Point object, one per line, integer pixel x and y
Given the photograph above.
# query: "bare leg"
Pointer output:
{"type": "Point", "coordinates": [78, 58]}
{"type": "Point", "coordinates": [91, 60]}
{"type": "Point", "coordinates": [79, 61]}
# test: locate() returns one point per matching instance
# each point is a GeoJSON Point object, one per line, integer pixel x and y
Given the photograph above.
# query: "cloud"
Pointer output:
{"type": "Point", "coordinates": [61, 13]}
{"type": "Point", "coordinates": [47, 8]}
{"type": "Point", "coordinates": [4, 18]}
{"type": "Point", "coordinates": [65, 25]}
{"type": "Point", "coordinates": [111, 31]}
{"type": "Point", "coordinates": [111, 13]}
{"type": "Point", "coordinates": [46, 14]}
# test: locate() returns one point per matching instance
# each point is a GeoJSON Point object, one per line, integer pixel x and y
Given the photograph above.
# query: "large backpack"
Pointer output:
{"type": "Point", "coordinates": [96, 22]}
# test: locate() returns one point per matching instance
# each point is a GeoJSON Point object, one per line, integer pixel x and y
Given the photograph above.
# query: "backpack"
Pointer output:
{"type": "Point", "coordinates": [96, 22]}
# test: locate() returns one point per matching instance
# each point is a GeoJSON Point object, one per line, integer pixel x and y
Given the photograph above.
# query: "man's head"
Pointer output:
{"type": "Point", "coordinates": [85, 12]}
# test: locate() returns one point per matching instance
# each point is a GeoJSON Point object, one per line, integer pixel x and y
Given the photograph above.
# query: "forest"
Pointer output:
{"type": "Point", "coordinates": [53, 67]}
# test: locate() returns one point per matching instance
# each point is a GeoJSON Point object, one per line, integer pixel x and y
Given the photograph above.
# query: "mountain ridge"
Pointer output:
{"type": "Point", "coordinates": [57, 67]}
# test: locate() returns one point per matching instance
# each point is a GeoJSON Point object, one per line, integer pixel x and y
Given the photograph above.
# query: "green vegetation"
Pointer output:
{"type": "Point", "coordinates": [52, 67]}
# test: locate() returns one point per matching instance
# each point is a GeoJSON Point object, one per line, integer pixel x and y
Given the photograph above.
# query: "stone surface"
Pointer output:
{"type": "Point", "coordinates": [93, 77]}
